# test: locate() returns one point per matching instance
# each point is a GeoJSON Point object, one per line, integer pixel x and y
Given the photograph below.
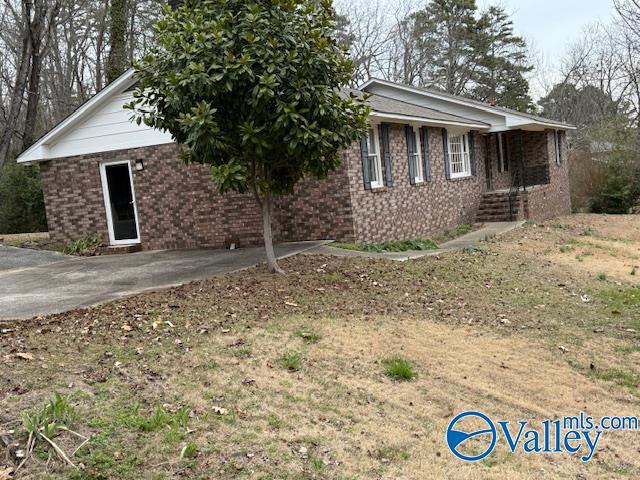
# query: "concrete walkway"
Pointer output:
{"type": "Point", "coordinates": [75, 282]}
{"type": "Point", "coordinates": [472, 239]}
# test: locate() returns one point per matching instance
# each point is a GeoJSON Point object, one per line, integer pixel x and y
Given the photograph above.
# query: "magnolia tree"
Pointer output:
{"type": "Point", "coordinates": [253, 89]}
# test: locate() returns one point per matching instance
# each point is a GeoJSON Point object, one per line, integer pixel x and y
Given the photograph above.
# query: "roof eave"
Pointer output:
{"type": "Point", "coordinates": [531, 126]}
{"type": "Point", "coordinates": [427, 121]}
{"type": "Point", "coordinates": [462, 101]}
{"type": "Point", "coordinates": [38, 151]}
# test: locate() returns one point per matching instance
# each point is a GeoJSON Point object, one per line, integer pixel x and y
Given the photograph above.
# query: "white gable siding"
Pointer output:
{"type": "Point", "coordinates": [495, 120]}
{"type": "Point", "coordinates": [108, 128]}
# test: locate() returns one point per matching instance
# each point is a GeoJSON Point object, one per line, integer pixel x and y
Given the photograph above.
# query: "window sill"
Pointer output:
{"type": "Point", "coordinates": [379, 189]}
{"type": "Point", "coordinates": [461, 177]}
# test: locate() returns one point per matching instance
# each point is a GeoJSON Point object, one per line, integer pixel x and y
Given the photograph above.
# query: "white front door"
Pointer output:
{"type": "Point", "coordinates": [120, 203]}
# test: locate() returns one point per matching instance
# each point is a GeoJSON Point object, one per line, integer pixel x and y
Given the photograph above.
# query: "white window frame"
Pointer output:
{"type": "Point", "coordinates": [465, 154]}
{"type": "Point", "coordinates": [417, 156]}
{"type": "Point", "coordinates": [501, 153]}
{"type": "Point", "coordinates": [377, 163]}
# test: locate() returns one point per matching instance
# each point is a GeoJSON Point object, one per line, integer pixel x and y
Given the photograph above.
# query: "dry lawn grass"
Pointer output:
{"type": "Point", "coordinates": [518, 330]}
{"type": "Point", "coordinates": [18, 238]}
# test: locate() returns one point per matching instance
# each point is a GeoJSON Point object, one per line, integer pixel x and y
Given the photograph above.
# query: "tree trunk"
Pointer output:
{"type": "Point", "coordinates": [117, 61]}
{"type": "Point", "coordinates": [33, 92]}
{"type": "Point", "coordinates": [19, 87]}
{"type": "Point", "coordinates": [102, 27]}
{"type": "Point", "coordinates": [266, 204]}
{"type": "Point", "coordinates": [40, 28]}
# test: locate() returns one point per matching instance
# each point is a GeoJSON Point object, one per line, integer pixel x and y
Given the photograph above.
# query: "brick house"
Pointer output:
{"type": "Point", "coordinates": [431, 161]}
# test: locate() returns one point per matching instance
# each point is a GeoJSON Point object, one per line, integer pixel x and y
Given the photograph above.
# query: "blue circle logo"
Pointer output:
{"type": "Point", "coordinates": [456, 439]}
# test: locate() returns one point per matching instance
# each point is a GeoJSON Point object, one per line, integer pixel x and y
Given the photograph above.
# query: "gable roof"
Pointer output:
{"type": "Point", "coordinates": [388, 108]}
{"type": "Point", "coordinates": [40, 149]}
{"type": "Point", "coordinates": [87, 130]}
{"type": "Point", "coordinates": [518, 119]}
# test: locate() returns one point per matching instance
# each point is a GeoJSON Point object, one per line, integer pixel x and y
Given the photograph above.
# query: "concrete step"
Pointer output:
{"type": "Point", "coordinates": [495, 218]}
{"type": "Point", "coordinates": [118, 249]}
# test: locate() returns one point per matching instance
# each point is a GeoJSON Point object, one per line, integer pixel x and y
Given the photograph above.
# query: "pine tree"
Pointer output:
{"type": "Point", "coordinates": [444, 31]}
{"type": "Point", "coordinates": [502, 62]}
{"type": "Point", "coordinates": [464, 53]}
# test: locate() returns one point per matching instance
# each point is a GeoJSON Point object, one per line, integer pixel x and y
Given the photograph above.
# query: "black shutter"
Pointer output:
{"type": "Point", "coordinates": [364, 152]}
{"type": "Point", "coordinates": [386, 154]}
{"type": "Point", "coordinates": [424, 138]}
{"type": "Point", "coordinates": [445, 148]}
{"type": "Point", "coordinates": [472, 152]}
{"type": "Point", "coordinates": [411, 148]}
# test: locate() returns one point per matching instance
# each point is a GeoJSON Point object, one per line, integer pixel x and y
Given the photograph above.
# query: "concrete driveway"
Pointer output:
{"type": "Point", "coordinates": [12, 258]}
{"type": "Point", "coordinates": [32, 285]}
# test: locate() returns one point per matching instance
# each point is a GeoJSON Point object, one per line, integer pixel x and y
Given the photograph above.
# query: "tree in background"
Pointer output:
{"type": "Point", "coordinates": [581, 107]}
{"type": "Point", "coordinates": [613, 142]}
{"type": "Point", "coordinates": [445, 33]}
{"type": "Point", "coordinates": [252, 89]}
{"type": "Point", "coordinates": [599, 92]}
{"type": "Point", "coordinates": [34, 22]}
{"type": "Point", "coordinates": [118, 20]}
{"type": "Point", "coordinates": [53, 55]}
{"type": "Point", "coordinates": [449, 45]}
{"type": "Point", "coordinates": [502, 64]}
{"type": "Point", "coordinates": [21, 200]}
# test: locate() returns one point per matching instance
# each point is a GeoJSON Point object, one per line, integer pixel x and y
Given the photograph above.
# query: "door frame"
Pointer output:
{"type": "Point", "coordinates": [107, 203]}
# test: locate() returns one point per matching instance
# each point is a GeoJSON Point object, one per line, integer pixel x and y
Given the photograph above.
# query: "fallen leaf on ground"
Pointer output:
{"type": "Point", "coordinates": [220, 410]}
{"type": "Point", "coordinates": [6, 473]}
{"type": "Point", "coordinates": [23, 356]}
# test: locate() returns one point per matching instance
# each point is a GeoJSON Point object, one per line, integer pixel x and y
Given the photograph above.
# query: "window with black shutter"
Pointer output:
{"type": "Point", "coordinates": [414, 155]}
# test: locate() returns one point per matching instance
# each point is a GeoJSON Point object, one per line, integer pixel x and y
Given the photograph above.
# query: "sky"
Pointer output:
{"type": "Point", "coordinates": [551, 25]}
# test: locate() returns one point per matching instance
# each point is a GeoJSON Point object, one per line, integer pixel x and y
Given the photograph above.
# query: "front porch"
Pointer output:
{"type": "Point", "coordinates": [517, 163]}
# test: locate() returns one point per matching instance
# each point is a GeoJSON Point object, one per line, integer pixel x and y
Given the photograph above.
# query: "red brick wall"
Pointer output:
{"type": "Point", "coordinates": [180, 207]}
{"type": "Point", "coordinates": [318, 210]}
{"type": "Point", "coordinates": [73, 199]}
{"type": "Point", "coordinates": [407, 211]}
{"type": "Point", "coordinates": [552, 200]}
{"type": "Point", "coordinates": [535, 157]}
